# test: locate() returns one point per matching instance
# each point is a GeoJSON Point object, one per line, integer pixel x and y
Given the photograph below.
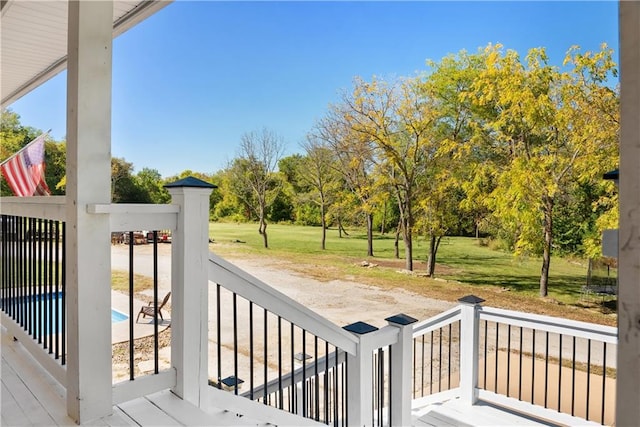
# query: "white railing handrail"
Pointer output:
{"type": "Point", "coordinates": [137, 216]}
{"type": "Point", "coordinates": [436, 322]}
{"type": "Point", "coordinates": [45, 207]}
{"type": "Point", "coordinates": [253, 289]}
{"type": "Point", "coordinates": [557, 325]}
{"type": "Point", "coordinates": [122, 216]}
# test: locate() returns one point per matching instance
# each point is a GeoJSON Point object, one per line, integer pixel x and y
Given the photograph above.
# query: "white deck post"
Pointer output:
{"type": "Point", "coordinates": [627, 390]}
{"type": "Point", "coordinates": [88, 256]}
{"type": "Point", "coordinates": [359, 379]}
{"type": "Point", "coordinates": [469, 333]}
{"type": "Point", "coordinates": [189, 288]}
{"type": "Point", "coordinates": [401, 369]}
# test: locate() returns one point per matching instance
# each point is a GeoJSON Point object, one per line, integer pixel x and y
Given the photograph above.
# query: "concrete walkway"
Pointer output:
{"type": "Point", "coordinates": [143, 328]}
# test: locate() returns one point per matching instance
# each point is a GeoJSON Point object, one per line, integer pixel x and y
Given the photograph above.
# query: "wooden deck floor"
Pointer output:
{"type": "Point", "coordinates": [31, 397]}
{"type": "Point", "coordinates": [452, 412]}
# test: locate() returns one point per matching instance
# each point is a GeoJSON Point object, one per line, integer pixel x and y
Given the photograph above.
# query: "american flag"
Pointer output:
{"type": "Point", "coordinates": [24, 171]}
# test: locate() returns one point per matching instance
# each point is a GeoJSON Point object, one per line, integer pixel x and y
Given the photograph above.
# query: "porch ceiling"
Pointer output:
{"type": "Point", "coordinates": [33, 39]}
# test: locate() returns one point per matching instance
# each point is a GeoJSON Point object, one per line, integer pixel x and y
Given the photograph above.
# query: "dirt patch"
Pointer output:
{"type": "Point", "coordinates": [143, 352]}
{"type": "Point", "coordinates": [419, 266]}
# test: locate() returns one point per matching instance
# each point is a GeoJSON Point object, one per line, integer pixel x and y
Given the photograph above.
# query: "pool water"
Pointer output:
{"type": "Point", "coordinates": [43, 305]}
{"type": "Point", "coordinates": [116, 316]}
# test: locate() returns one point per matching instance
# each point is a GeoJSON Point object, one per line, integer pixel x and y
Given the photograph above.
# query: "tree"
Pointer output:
{"type": "Point", "coordinates": [124, 185]}
{"type": "Point", "coordinates": [55, 157]}
{"type": "Point", "coordinates": [551, 129]}
{"type": "Point", "coordinates": [354, 153]}
{"type": "Point", "coordinates": [440, 192]}
{"type": "Point", "coordinates": [152, 183]}
{"type": "Point", "coordinates": [398, 120]}
{"type": "Point", "coordinates": [251, 173]}
{"type": "Point", "coordinates": [318, 171]}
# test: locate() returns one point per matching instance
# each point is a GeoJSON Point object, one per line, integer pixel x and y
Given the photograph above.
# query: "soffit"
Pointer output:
{"type": "Point", "coordinates": [33, 40]}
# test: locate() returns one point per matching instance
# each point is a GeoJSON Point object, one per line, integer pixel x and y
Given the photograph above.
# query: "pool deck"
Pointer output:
{"type": "Point", "coordinates": [143, 328]}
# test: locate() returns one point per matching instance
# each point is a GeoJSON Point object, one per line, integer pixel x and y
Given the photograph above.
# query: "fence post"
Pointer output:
{"type": "Point", "coordinates": [401, 364]}
{"type": "Point", "coordinates": [359, 378]}
{"type": "Point", "coordinates": [189, 288]}
{"type": "Point", "coordinates": [469, 333]}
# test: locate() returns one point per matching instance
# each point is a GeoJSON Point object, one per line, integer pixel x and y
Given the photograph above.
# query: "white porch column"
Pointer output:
{"type": "Point", "coordinates": [628, 390]}
{"type": "Point", "coordinates": [190, 288]}
{"type": "Point", "coordinates": [469, 333]}
{"type": "Point", "coordinates": [88, 256]}
{"type": "Point", "coordinates": [359, 379]}
{"type": "Point", "coordinates": [401, 370]}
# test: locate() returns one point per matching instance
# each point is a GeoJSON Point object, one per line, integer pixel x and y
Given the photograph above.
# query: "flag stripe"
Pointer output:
{"type": "Point", "coordinates": [15, 177]}
{"type": "Point", "coordinates": [24, 171]}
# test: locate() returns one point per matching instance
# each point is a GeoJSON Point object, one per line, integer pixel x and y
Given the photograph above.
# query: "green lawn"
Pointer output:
{"type": "Point", "coordinates": [480, 269]}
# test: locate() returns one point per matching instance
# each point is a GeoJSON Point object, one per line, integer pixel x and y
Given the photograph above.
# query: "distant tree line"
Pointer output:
{"type": "Point", "coordinates": [486, 144]}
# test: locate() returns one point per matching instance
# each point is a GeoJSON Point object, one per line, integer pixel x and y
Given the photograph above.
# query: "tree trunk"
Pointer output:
{"type": "Point", "coordinates": [261, 220]}
{"type": "Point", "coordinates": [263, 227]}
{"type": "Point", "coordinates": [339, 228]}
{"type": "Point", "coordinates": [264, 234]}
{"type": "Point", "coordinates": [408, 244]}
{"type": "Point", "coordinates": [396, 244]}
{"type": "Point", "coordinates": [434, 244]}
{"type": "Point", "coordinates": [407, 226]}
{"type": "Point", "coordinates": [548, 238]}
{"type": "Point", "coordinates": [370, 234]}
{"type": "Point", "coordinates": [477, 230]}
{"type": "Point", "coordinates": [383, 226]}
{"type": "Point", "coordinates": [323, 222]}
{"type": "Point", "coordinates": [431, 258]}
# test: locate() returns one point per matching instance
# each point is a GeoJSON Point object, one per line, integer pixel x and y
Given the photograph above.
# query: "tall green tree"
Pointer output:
{"type": "Point", "coordinates": [551, 129]}
{"type": "Point", "coordinates": [124, 184]}
{"type": "Point", "coordinates": [399, 122]}
{"type": "Point", "coordinates": [440, 190]}
{"type": "Point", "coordinates": [152, 183]}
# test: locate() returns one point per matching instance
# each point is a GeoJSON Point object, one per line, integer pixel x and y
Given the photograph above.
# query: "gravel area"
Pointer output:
{"type": "Point", "coordinates": [340, 301]}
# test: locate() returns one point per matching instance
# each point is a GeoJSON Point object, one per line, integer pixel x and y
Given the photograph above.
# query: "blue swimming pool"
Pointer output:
{"type": "Point", "coordinates": [116, 316]}
{"type": "Point", "coordinates": [40, 307]}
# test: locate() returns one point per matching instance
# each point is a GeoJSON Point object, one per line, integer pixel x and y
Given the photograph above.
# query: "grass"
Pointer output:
{"type": "Point", "coordinates": [120, 281]}
{"type": "Point", "coordinates": [464, 267]}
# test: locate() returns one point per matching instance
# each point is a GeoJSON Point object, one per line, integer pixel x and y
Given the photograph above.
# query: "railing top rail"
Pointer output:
{"type": "Point", "coordinates": [138, 216]}
{"type": "Point", "coordinates": [45, 207]}
{"type": "Point", "coordinates": [436, 322]}
{"type": "Point", "coordinates": [539, 322]}
{"type": "Point", "coordinates": [132, 208]}
{"type": "Point", "coordinates": [253, 289]}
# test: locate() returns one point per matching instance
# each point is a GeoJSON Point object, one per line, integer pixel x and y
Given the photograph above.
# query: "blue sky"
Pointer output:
{"type": "Point", "coordinates": [192, 79]}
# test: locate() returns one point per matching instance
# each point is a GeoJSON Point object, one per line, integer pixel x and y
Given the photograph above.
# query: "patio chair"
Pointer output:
{"type": "Point", "coordinates": [148, 310]}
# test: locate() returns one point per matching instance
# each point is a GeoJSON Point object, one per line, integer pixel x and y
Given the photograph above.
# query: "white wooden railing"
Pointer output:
{"type": "Point", "coordinates": [352, 357]}
{"type": "Point", "coordinates": [550, 368]}
{"type": "Point", "coordinates": [187, 217]}
{"type": "Point", "coordinates": [50, 208]}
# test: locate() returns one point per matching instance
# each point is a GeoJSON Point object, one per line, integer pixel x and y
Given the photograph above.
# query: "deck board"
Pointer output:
{"type": "Point", "coordinates": [454, 412]}
{"type": "Point", "coordinates": [189, 415]}
{"type": "Point", "coordinates": [146, 413]}
{"type": "Point", "coordinates": [12, 413]}
{"type": "Point", "coordinates": [44, 392]}
{"type": "Point", "coordinates": [119, 419]}
{"type": "Point", "coordinates": [15, 389]}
